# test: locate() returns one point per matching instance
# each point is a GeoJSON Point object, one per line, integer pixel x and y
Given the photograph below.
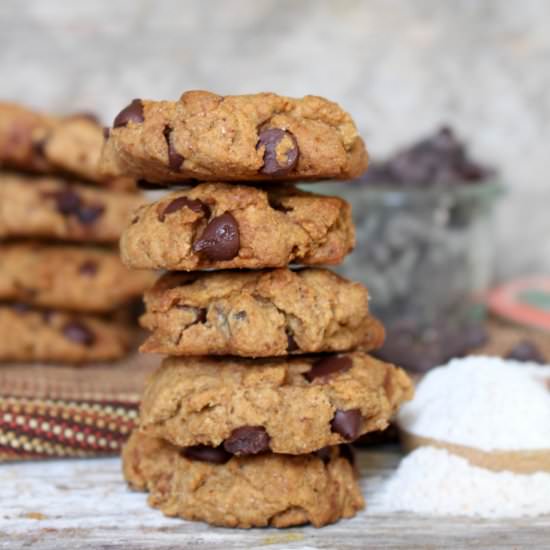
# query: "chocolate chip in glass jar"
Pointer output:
{"type": "Point", "coordinates": [89, 214]}
{"type": "Point", "coordinates": [347, 423]}
{"type": "Point", "coordinates": [88, 267]}
{"type": "Point", "coordinates": [203, 453]}
{"type": "Point", "coordinates": [78, 333]}
{"type": "Point", "coordinates": [247, 440]}
{"type": "Point", "coordinates": [280, 151]}
{"type": "Point", "coordinates": [175, 160]}
{"type": "Point", "coordinates": [131, 113]}
{"type": "Point", "coordinates": [184, 202]}
{"type": "Point", "coordinates": [327, 366]}
{"type": "Point", "coordinates": [220, 241]}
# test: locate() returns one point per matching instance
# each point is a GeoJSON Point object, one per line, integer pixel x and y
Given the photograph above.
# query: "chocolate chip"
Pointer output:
{"type": "Point", "coordinates": [88, 267]}
{"type": "Point", "coordinates": [67, 201]}
{"type": "Point", "coordinates": [79, 333]}
{"type": "Point", "coordinates": [247, 440]}
{"type": "Point", "coordinates": [291, 345]}
{"type": "Point", "coordinates": [220, 240]}
{"type": "Point", "coordinates": [131, 113]}
{"type": "Point", "coordinates": [526, 351]}
{"type": "Point", "coordinates": [175, 160]}
{"type": "Point", "coordinates": [184, 202]}
{"type": "Point", "coordinates": [277, 205]}
{"type": "Point", "coordinates": [329, 365]}
{"type": "Point", "coordinates": [324, 454]}
{"type": "Point", "coordinates": [278, 164]}
{"type": "Point", "coordinates": [201, 315]}
{"type": "Point", "coordinates": [347, 423]}
{"type": "Point", "coordinates": [106, 132]}
{"type": "Point", "coordinates": [214, 455]}
{"type": "Point", "coordinates": [89, 214]}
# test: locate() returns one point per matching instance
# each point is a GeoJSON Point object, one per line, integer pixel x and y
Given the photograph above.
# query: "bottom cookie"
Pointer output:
{"type": "Point", "coordinates": [208, 484]}
{"type": "Point", "coordinates": [47, 336]}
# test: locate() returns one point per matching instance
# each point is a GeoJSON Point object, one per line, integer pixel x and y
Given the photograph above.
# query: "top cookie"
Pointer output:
{"type": "Point", "coordinates": [35, 142]}
{"type": "Point", "coordinates": [259, 137]}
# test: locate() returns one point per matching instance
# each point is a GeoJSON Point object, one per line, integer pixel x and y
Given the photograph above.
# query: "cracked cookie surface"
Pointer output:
{"type": "Point", "coordinates": [68, 277]}
{"type": "Point", "coordinates": [293, 405]}
{"type": "Point", "coordinates": [223, 226]}
{"type": "Point", "coordinates": [258, 314]}
{"type": "Point", "coordinates": [31, 335]}
{"type": "Point", "coordinates": [52, 208]}
{"type": "Point", "coordinates": [258, 137]}
{"type": "Point", "coordinates": [35, 142]}
{"type": "Point", "coordinates": [268, 489]}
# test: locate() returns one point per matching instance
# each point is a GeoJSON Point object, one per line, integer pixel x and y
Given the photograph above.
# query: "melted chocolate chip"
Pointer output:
{"type": "Point", "coordinates": [88, 267]}
{"type": "Point", "coordinates": [220, 241]}
{"type": "Point", "coordinates": [67, 201]}
{"type": "Point", "coordinates": [184, 202]}
{"type": "Point", "coordinates": [526, 351]}
{"type": "Point", "coordinates": [328, 366]}
{"type": "Point", "coordinates": [175, 160]}
{"type": "Point", "coordinates": [214, 455]}
{"type": "Point", "coordinates": [131, 113]}
{"type": "Point", "coordinates": [78, 333]}
{"type": "Point", "coordinates": [247, 440]}
{"type": "Point", "coordinates": [89, 214]}
{"type": "Point", "coordinates": [291, 345]}
{"type": "Point", "coordinates": [282, 163]}
{"type": "Point", "coordinates": [347, 423]}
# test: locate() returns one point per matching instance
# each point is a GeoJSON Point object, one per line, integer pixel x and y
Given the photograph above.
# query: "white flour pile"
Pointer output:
{"type": "Point", "coordinates": [485, 403]}
{"type": "Point", "coordinates": [433, 482]}
{"type": "Point", "coordinates": [482, 402]}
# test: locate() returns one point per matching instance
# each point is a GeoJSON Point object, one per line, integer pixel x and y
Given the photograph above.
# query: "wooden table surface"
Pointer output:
{"type": "Point", "coordinates": [78, 504]}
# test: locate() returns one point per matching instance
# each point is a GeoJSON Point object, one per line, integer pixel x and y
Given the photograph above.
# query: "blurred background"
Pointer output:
{"type": "Point", "coordinates": [401, 68]}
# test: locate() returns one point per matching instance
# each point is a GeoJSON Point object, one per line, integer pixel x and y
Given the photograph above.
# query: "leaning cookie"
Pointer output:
{"type": "Point", "coordinates": [211, 485]}
{"type": "Point", "coordinates": [46, 336]}
{"type": "Point", "coordinates": [258, 314]}
{"type": "Point", "coordinates": [68, 277]}
{"type": "Point", "coordinates": [52, 208]}
{"type": "Point", "coordinates": [35, 142]}
{"type": "Point", "coordinates": [223, 226]}
{"type": "Point", "coordinates": [259, 137]}
{"type": "Point", "coordinates": [292, 405]}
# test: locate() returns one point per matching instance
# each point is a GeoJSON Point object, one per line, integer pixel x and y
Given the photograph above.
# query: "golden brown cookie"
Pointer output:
{"type": "Point", "coordinates": [223, 226]}
{"type": "Point", "coordinates": [46, 336]}
{"type": "Point", "coordinates": [293, 405]}
{"type": "Point", "coordinates": [68, 277]}
{"type": "Point", "coordinates": [258, 137]}
{"type": "Point", "coordinates": [35, 142]}
{"type": "Point", "coordinates": [258, 314]}
{"type": "Point", "coordinates": [53, 208]}
{"type": "Point", "coordinates": [210, 485]}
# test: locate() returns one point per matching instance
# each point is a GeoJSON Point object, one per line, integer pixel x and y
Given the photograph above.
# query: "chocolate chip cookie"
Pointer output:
{"type": "Point", "coordinates": [31, 335]}
{"type": "Point", "coordinates": [222, 226]}
{"type": "Point", "coordinates": [52, 208]}
{"type": "Point", "coordinates": [258, 314]}
{"type": "Point", "coordinates": [260, 137]}
{"type": "Point", "coordinates": [68, 277]}
{"type": "Point", "coordinates": [34, 142]}
{"type": "Point", "coordinates": [291, 405]}
{"type": "Point", "coordinates": [211, 485]}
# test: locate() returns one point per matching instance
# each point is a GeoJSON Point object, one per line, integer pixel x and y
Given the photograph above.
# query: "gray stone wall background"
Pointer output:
{"type": "Point", "coordinates": [401, 67]}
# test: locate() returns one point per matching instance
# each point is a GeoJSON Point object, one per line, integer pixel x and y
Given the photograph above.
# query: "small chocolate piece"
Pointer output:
{"type": "Point", "coordinates": [78, 333]}
{"type": "Point", "coordinates": [67, 201]}
{"type": "Point", "coordinates": [328, 366]}
{"type": "Point", "coordinates": [89, 214]}
{"type": "Point", "coordinates": [526, 351]}
{"type": "Point", "coordinates": [247, 440]}
{"type": "Point", "coordinates": [282, 162]}
{"type": "Point", "coordinates": [181, 202]}
{"type": "Point", "coordinates": [220, 241]}
{"type": "Point", "coordinates": [175, 160]}
{"type": "Point", "coordinates": [201, 315]}
{"type": "Point", "coordinates": [131, 113]}
{"type": "Point", "coordinates": [88, 267]}
{"type": "Point", "coordinates": [203, 453]}
{"type": "Point", "coordinates": [347, 423]}
{"type": "Point", "coordinates": [292, 345]}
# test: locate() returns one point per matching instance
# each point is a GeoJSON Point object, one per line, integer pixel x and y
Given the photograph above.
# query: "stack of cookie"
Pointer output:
{"type": "Point", "coordinates": [246, 423]}
{"type": "Point", "coordinates": [63, 290]}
